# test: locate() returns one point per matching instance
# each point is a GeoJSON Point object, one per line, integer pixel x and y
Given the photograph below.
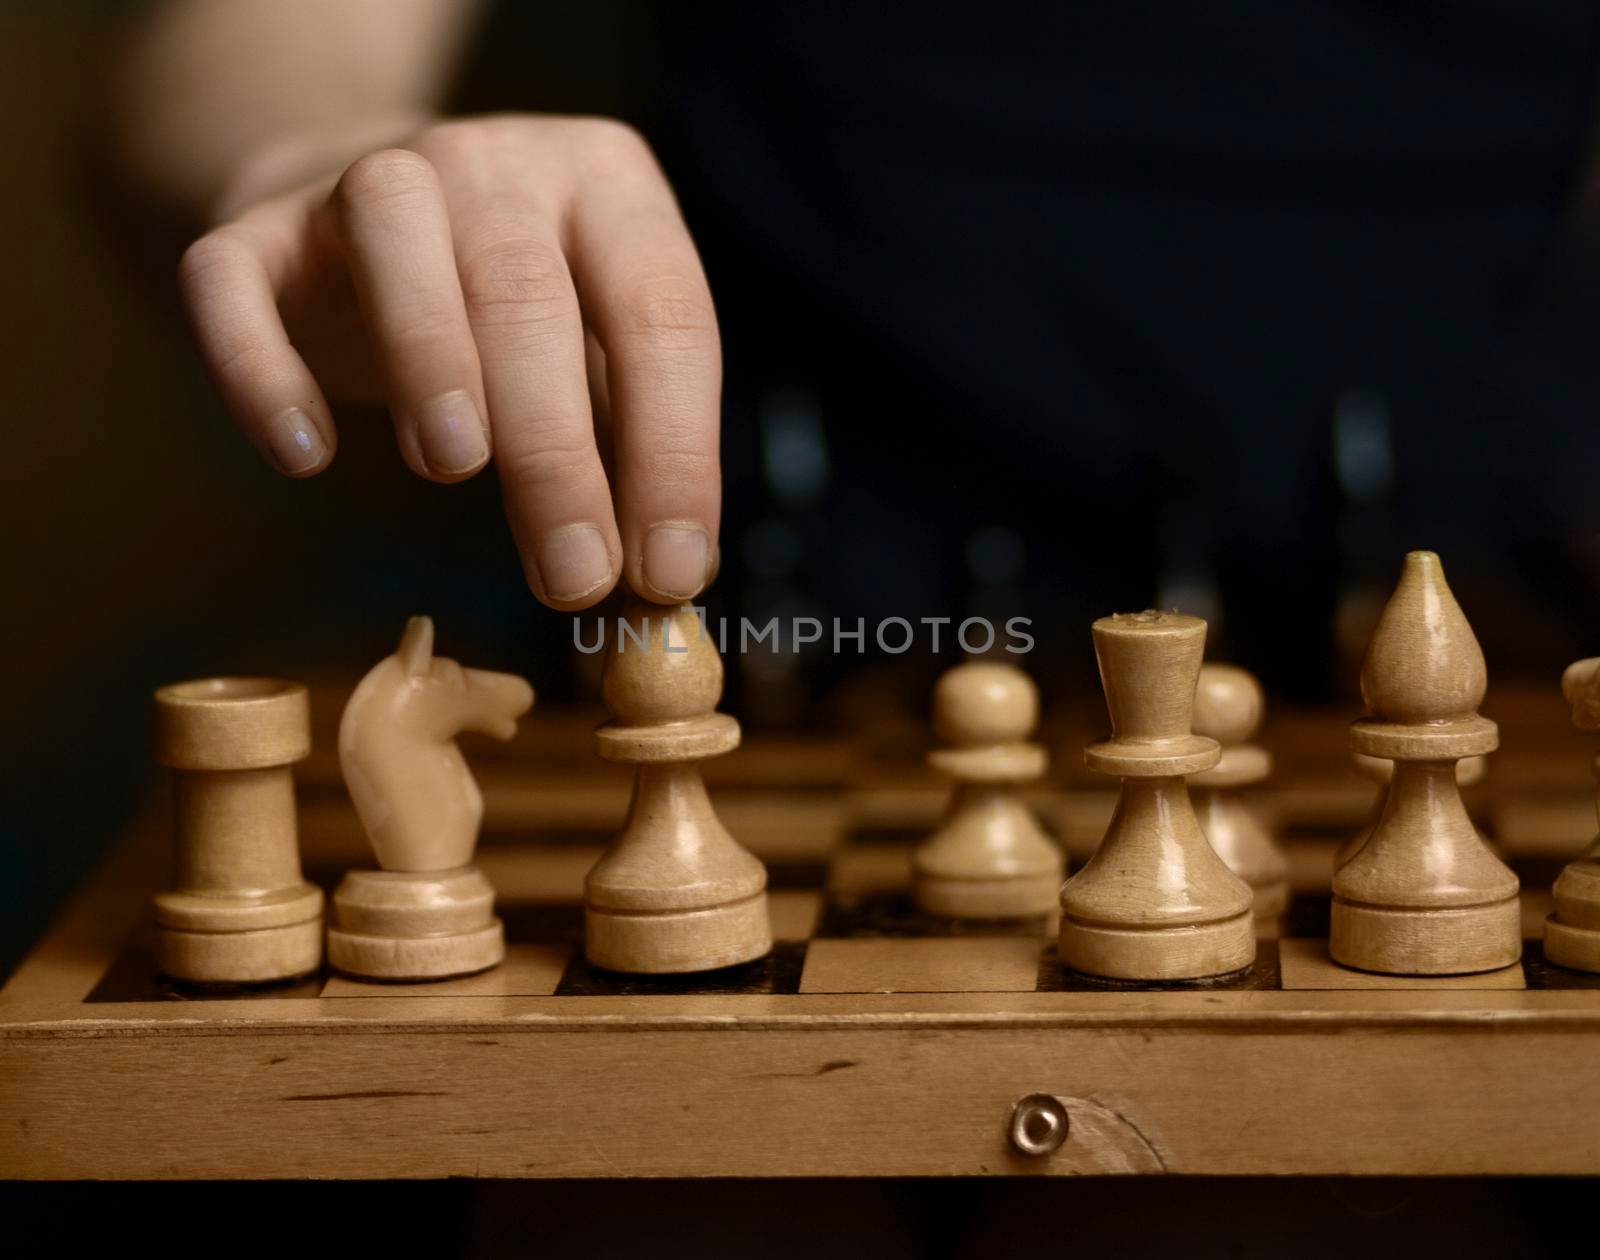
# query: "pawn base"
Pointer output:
{"type": "Point", "coordinates": [672, 942]}
{"type": "Point", "coordinates": [1012, 897]}
{"type": "Point", "coordinates": [1568, 946]}
{"type": "Point", "coordinates": [418, 958]}
{"type": "Point", "coordinates": [415, 925]}
{"type": "Point", "coordinates": [249, 957]}
{"type": "Point", "coordinates": [1437, 941]}
{"type": "Point", "coordinates": [1189, 952]}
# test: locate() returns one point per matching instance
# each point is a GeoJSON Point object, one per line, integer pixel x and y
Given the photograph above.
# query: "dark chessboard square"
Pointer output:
{"type": "Point", "coordinates": [132, 977]}
{"type": "Point", "coordinates": [1541, 973]}
{"type": "Point", "coordinates": [895, 914]}
{"type": "Point", "coordinates": [1309, 916]}
{"type": "Point", "coordinates": [1056, 977]}
{"type": "Point", "coordinates": [557, 922]}
{"type": "Point", "coordinates": [778, 972]}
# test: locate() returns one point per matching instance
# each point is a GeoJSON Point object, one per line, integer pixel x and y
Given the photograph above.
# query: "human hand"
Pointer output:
{"type": "Point", "coordinates": [520, 285]}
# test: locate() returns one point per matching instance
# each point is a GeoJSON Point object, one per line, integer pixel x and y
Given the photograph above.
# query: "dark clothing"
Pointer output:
{"type": "Point", "coordinates": [1101, 272]}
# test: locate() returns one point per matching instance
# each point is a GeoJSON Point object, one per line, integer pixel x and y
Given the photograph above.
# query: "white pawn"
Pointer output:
{"type": "Point", "coordinates": [675, 892]}
{"type": "Point", "coordinates": [988, 858]}
{"type": "Point", "coordinates": [1228, 707]}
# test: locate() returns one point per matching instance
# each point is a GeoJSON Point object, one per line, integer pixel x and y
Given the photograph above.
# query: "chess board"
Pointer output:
{"type": "Point", "coordinates": [874, 1040]}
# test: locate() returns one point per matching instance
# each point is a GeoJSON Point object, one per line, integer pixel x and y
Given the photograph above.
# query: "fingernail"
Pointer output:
{"type": "Point", "coordinates": [294, 441]}
{"type": "Point", "coordinates": [450, 432]}
{"type": "Point", "coordinates": [676, 560]}
{"type": "Point", "coordinates": [573, 562]}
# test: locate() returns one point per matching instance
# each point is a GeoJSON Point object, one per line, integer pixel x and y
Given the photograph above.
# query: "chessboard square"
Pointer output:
{"type": "Point", "coordinates": [528, 971]}
{"type": "Point", "coordinates": [1306, 964]}
{"type": "Point", "coordinates": [1309, 916]}
{"type": "Point", "coordinates": [1544, 974]}
{"type": "Point", "coordinates": [949, 965]}
{"type": "Point", "coordinates": [542, 923]}
{"type": "Point", "coordinates": [794, 913]}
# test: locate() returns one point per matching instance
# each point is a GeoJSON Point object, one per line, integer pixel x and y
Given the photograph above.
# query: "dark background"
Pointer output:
{"type": "Point", "coordinates": [1221, 310]}
{"type": "Point", "coordinates": [1138, 1217]}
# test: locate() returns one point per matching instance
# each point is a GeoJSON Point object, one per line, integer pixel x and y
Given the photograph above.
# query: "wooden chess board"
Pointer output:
{"type": "Point", "coordinates": [874, 1040]}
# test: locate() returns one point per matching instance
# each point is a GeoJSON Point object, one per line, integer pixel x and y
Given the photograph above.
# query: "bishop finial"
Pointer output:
{"type": "Point", "coordinates": [1424, 664]}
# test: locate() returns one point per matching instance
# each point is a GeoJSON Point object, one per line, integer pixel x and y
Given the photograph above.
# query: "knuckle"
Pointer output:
{"type": "Point", "coordinates": [523, 278]}
{"type": "Point", "coordinates": [385, 175]}
{"type": "Point", "coordinates": [670, 309]}
{"type": "Point", "coordinates": [554, 465]}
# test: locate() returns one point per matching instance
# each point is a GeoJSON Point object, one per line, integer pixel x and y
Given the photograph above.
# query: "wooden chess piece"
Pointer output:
{"type": "Point", "coordinates": [1572, 930]}
{"type": "Point", "coordinates": [241, 912]}
{"type": "Point", "coordinates": [1424, 895]}
{"type": "Point", "coordinates": [1228, 707]}
{"type": "Point", "coordinates": [428, 913]}
{"type": "Point", "coordinates": [1155, 902]}
{"type": "Point", "coordinates": [1470, 772]}
{"type": "Point", "coordinates": [675, 892]}
{"type": "Point", "coordinates": [988, 858]}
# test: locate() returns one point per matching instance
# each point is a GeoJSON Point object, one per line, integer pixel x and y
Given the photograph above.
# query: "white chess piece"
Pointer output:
{"type": "Point", "coordinates": [988, 858]}
{"type": "Point", "coordinates": [428, 913]}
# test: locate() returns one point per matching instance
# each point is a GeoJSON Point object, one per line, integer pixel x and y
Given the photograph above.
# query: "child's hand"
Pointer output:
{"type": "Point", "coordinates": [507, 285]}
